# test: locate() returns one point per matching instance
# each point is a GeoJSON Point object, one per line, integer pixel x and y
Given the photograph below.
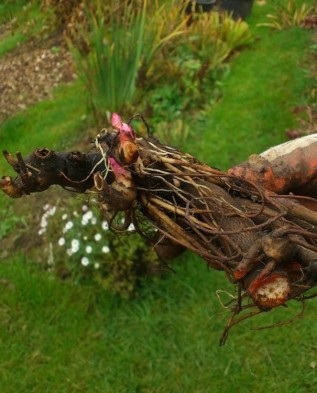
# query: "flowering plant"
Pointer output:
{"type": "Point", "coordinates": [81, 246]}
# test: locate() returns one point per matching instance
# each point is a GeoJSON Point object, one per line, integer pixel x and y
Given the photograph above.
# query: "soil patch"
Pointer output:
{"type": "Point", "coordinates": [30, 73]}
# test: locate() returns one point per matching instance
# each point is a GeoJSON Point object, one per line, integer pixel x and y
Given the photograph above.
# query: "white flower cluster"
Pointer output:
{"type": "Point", "coordinates": [88, 216]}
{"type": "Point", "coordinates": [131, 227]}
{"type": "Point", "coordinates": [97, 237]}
{"type": "Point", "coordinates": [78, 237]}
{"type": "Point", "coordinates": [105, 249]}
{"type": "Point", "coordinates": [68, 226]}
{"type": "Point", "coordinates": [104, 225]}
{"type": "Point", "coordinates": [49, 210]}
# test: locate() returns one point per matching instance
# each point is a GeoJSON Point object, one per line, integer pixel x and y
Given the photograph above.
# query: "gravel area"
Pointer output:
{"type": "Point", "coordinates": [31, 72]}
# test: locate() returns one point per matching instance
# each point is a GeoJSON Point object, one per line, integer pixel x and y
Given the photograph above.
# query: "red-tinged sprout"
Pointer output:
{"type": "Point", "coordinates": [118, 170]}
{"type": "Point", "coordinates": [128, 150]}
{"type": "Point", "coordinates": [122, 176]}
{"type": "Point", "coordinates": [126, 131]}
{"type": "Point", "coordinates": [120, 194]}
{"type": "Point", "coordinates": [117, 196]}
{"type": "Point", "coordinates": [116, 121]}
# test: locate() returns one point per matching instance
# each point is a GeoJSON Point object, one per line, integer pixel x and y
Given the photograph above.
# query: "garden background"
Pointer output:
{"type": "Point", "coordinates": [218, 89]}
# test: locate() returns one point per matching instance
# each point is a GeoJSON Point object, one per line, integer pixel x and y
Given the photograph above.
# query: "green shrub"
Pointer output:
{"type": "Point", "coordinates": [141, 47]}
{"type": "Point", "coordinates": [82, 247]}
{"type": "Point", "coordinates": [287, 15]}
{"type": "Point", "coordinates": [187, 72]}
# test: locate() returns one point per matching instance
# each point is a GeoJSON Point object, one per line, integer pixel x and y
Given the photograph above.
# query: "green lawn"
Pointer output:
{"type": "Point", "coordinates": [56, 337]}
{"type": "Point", "coordinates": [60, 337]}
{"type": "Point", "coordinates": [264, 83]}
{"type": "Point", "coordinates": [57, 123]}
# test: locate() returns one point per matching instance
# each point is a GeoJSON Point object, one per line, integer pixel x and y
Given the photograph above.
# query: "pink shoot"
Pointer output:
{"type": "Point", "coordinates": [125, 130]}
{"type": "Point", "coordinates": [118, 170]}
{"type": "Point", "coordinates": [116, 121]}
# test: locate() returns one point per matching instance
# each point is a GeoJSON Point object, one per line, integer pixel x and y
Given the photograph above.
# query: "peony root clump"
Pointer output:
{"type": "Point", "coordinates": [266, 243]}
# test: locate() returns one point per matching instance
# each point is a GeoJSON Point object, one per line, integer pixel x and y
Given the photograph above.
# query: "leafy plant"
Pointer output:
{"type": "Point", "coordinates": [166, 102]}
{"type": "Point", "coordinates": [208, 43]}
{"type": "Point", "coordinates": [205, 44]}
{"type": "Point", "coordinates": [166, 29]}
{"type": "Point", "coordinates": [288, 15]}
{"type": "Point", "coordinates": [122, 46]}
{"type": "Point", "coordinates": [218, 31]}
{"type": "Point", "coordinates": [146, 44]}
{"type": "Point", "coordinates": [80, 246]}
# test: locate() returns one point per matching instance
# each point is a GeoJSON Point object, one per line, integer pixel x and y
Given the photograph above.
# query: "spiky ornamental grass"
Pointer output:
{"type": "Point", "coordinates": [110, 70]}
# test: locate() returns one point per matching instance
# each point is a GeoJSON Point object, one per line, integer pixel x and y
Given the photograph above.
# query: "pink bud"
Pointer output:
{"type": "Point", "coordinates": [116, 121]}
{"type": "Point", "coordinates": [118, 170]}
{"type": "Point", "coordinates": [127, 130]}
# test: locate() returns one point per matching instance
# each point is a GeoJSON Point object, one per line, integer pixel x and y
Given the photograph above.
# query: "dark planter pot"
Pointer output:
{"type": "Point", "coordinates": [204, 5]}
{"type": "Point", "coordinates": [239, 8]}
